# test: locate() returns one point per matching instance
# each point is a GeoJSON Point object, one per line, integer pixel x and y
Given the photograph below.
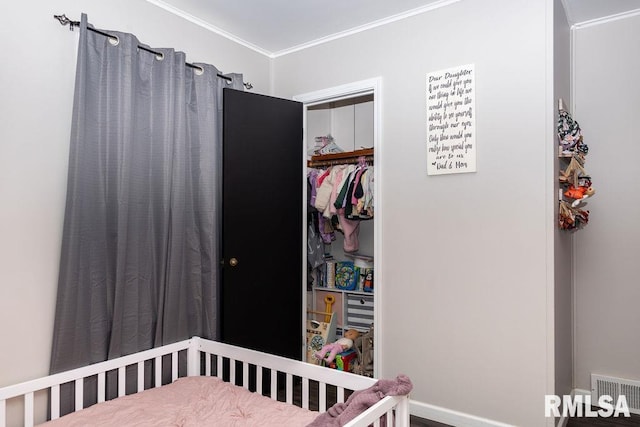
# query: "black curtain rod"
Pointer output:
{"type": "Point", "coordinates": [66, 21]}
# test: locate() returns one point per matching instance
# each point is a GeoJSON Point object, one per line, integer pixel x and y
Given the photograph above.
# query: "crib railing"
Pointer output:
{"type": "Point", "coordinates": [27, 390]}
{"type": "Point", "coordinates": [303, 384]}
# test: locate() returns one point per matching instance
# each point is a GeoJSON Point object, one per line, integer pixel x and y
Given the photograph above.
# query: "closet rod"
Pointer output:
{"type": "Point", "coordinates": [341, 158]}
{"type": "Point", "coordinates": [66, 21]}
{"type": "Point", "coordinates": [316, 163]}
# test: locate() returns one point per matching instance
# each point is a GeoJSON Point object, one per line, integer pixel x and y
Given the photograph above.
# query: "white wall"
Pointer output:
{"type": "Point", "coordinates": [36, 83]}
{"type": "Point", "coordinates": [465, 257]}
{"type": "Point", "coordinates": [607, 106]}
{"type": "Point", "coordinates": [563, 248]}
{"type": "Point", "coordinates": [350, 125]}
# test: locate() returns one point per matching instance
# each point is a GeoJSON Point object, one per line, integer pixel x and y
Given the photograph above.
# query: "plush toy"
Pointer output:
{"type": "Point", "coordinates": [579, 193]}
{"type": "Point", "coordinates": [344, 343]}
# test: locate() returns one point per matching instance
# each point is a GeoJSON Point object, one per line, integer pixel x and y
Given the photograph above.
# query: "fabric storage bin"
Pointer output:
{"type": "Point", "coordinates": [359, 311]}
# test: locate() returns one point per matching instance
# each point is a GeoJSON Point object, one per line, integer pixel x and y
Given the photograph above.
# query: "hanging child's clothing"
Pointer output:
{"type": "Point", "coordinates": [345, 192]}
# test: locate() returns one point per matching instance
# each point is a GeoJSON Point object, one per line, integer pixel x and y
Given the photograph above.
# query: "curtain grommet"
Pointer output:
{"type": "Point", "coordinates": [114, 40]}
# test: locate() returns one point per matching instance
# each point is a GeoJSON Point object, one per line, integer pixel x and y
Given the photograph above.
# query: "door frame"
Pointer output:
{"type": "Point", "coordinates": [373, 87]}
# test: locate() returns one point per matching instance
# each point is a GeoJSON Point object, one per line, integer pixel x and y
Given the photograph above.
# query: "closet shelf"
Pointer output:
{"type": "Point", "coordinates": [341, 158]}
{"type": "Point", "coordinates": [362, 257]}
{"type": "Point", "coordinates": [343, 291]}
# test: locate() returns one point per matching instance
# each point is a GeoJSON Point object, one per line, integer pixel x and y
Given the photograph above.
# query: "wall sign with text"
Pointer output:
{"type": "Point", "coordinates": [451, 139]}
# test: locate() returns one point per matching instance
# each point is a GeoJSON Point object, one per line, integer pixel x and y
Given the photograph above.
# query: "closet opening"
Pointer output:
{"type": "Point", "coordinates": [342, 223]}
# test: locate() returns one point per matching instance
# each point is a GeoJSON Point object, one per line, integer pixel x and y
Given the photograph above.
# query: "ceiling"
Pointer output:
{"type": "Point", "coordinates": [276, 27]}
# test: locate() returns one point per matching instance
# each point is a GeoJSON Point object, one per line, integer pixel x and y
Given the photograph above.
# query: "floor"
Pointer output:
{"type": "Point", "coordinates": [421, 422]}
{"type": "Point", "coordinates": [633, 421]}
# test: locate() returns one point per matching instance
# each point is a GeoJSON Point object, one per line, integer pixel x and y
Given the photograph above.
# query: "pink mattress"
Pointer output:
{"type": "Point", "coordinates": [191, 401]}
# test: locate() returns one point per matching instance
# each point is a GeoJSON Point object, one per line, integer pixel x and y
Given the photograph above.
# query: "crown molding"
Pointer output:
{"type": "Point", "coordinates": [197, 21]}
{"type": "Point", "coordinates": [380, 22]}
{"type": "Point", "coordinates": [605, 19]}
{"type": "Point", "coordinates": [207, 26]}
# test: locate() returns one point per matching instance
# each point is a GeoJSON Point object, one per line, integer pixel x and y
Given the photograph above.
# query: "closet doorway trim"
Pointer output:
{"type": "Point", "coordinates": [337, 93]}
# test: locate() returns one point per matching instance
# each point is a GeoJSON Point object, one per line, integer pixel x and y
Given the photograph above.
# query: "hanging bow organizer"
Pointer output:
{"type": "Point", "coordinates": [574, 183]}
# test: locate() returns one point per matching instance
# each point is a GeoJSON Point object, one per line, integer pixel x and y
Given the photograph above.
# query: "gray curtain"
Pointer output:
{"type": "Point", "coordinates": [139, 257]}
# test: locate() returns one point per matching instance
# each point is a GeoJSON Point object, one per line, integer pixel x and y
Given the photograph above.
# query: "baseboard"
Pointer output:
{"type": "Point", "coordinates": [575, 392]}
{"type": "Point", "coordinates": [580, 392]}
{"type": "Point", "coordinates": [562, 421]}
{"type": "Point", "coordinates": [453, 418]}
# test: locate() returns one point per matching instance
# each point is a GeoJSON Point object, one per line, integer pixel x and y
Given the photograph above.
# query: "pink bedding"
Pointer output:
{"type": "Point", "coordinates": [191, 401]}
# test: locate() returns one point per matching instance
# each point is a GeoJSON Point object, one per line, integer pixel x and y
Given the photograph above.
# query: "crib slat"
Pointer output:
{"type": "Point", "coordinates": [122, 381]}
{"type": "Point", "coordinates": [174, 366]}
{"type": "Point", "coordinates": [245, 375]}
{"type": "Point", "coordinates": [341, 394]}
{"type": "Point", "coordinates": [219, 366]}
{"type": "Point", "coordinates": [289, 387]}
{"type": "Point", "coordinates": [140, 376]}
{"type": "Point", "coordinates": [322, 399]}
{"type": "Point", "coordinates": [79, 394]}
{"type": "Point", "coordinates": [102, 387]}
{"type": "Point", "coordinates": [55, 402]}
{"type": "Point", "coordinates": [305, 393]}
{"type": "Point", "coordinates": [274, 384]}
{"type": "Point", "coordinates": [207, 364]}
{"type": "Point", "coordinates": [259, 380]}
{"type": "Point", "coordinates": [376, 423]}
{"type": "Point", "coordinates": [390, 419]}
{"type": "Point", "coordinates": [28, 410]}
{"type": "Point", "coordinates": [158, 369]}
{"type": "Point", "coordinates": [232, 371]}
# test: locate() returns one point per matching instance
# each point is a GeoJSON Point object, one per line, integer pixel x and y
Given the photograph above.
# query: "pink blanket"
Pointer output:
{"type": "Point", "coordinates": [191, 401]}
{"type": "Point", "coordinates": [361, 400]}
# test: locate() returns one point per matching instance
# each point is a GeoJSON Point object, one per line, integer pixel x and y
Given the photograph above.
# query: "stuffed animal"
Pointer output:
{"type": "Point", "coordinates": [343, 344]}
{"type": "Point", "coordinates": [579, 193]}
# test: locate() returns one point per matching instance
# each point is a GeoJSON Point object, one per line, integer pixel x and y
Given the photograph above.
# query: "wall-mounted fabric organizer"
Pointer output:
{"type": "Point", "coordinates": [575, 185]}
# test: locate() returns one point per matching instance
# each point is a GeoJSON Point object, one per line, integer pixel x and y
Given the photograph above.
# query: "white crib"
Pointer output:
{"type": "Point", "coordinates": [303, 382]}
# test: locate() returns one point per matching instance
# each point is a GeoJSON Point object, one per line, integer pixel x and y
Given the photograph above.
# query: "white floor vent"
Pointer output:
{"type": "Point", "coordinates": [614, 387]}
